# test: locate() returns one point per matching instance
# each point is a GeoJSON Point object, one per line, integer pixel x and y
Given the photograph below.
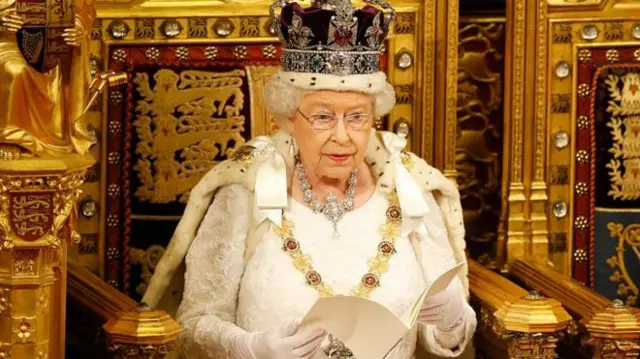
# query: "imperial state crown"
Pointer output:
{"type": "Point", "coordinates": [331, 37]}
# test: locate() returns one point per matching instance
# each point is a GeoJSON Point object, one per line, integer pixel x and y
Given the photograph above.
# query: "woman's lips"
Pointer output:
{"type": "Point", "coordinates": [339, 158]}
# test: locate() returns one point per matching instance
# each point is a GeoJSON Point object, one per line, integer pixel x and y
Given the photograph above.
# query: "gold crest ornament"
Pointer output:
{"type": "Point", "coordinates": [624, 124]}
{"type": "Point", "coordinates": [40, 40]}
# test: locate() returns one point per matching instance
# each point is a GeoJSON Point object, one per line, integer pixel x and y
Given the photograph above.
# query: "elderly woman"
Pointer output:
{"type": "Point", "coordinates": [325, 207]}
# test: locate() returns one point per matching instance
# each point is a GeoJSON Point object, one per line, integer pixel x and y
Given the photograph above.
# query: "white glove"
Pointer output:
{"type": "Point", "coordinates": [282, 342]}
{"type": "Point", "coordinates": [445, 309]}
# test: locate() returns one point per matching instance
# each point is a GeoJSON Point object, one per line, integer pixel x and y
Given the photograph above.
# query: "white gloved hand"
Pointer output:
{"type": "Point", "coordinates": [282, 342]}
{"type": "Point", "coordinates": [445, 309]}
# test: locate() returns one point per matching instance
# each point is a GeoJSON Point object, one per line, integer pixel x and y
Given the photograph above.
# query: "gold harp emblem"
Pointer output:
{"type": "Point", "coordinates": [32, 45]}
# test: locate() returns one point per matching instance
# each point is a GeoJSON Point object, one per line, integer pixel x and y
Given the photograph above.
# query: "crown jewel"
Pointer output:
{"type": "Point", "coordinates": [331, 37]}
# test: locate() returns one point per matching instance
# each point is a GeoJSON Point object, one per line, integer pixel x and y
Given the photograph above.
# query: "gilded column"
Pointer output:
{"type": "Point", "coordinates": [539, 198]}
{"type": "Point", "coordinates": [512, 231]}
{"type": "Point", "coordinates": [44, 155]}
{"type": "Point", "coordinates": [37, 199]}
{"type": "Point", "coordinates": [446, 107]}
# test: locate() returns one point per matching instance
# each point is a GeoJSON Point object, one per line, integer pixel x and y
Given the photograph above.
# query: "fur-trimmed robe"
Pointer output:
{"type": "Point", "coordinates": [166, 286]}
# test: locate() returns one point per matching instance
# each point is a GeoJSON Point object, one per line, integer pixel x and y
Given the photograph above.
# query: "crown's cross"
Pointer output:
{"type": "Point", "coordinates": [343, 29]}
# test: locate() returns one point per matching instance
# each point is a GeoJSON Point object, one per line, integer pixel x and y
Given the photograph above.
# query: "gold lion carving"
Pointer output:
{"type": "Point", "coordinates": [184, 123]}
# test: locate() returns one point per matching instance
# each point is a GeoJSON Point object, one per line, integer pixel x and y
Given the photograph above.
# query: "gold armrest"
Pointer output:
{"type": "Point", "coordinates": [525, 323]}
{"type": "Point", "coordinates": [95, 294]}
{"type": "Point", "coordinates": [579, 300]}
{"type": "Point", "coordinates": [609, 327]}
{"type": "Point", "coordinates": [133, 331]}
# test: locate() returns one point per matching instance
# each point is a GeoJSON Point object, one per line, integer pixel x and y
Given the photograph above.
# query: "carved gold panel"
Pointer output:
{"type": "Point", "coordinates": [209, 104]}
{"type": "Point", "coordinates": [480, 124]}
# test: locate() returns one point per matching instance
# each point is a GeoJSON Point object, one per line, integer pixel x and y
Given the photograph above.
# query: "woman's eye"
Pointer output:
{"type": "Point", "coordinates": [324, 117]}
{"type": "Point", "coordinates": [357, 117]}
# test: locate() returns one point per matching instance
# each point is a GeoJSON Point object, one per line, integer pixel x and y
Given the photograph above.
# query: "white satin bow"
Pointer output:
{"type": "Point", "coordinates": [411, 198]}
{"type": "Point", "coordinates": [271, 181]}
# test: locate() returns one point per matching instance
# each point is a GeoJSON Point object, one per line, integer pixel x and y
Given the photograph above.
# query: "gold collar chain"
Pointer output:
{"type": "Point", "coordinates": [378, 265]}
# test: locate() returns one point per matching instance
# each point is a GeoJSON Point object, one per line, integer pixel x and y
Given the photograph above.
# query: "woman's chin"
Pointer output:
{"type": "Point", "coordinates": [338, 174]}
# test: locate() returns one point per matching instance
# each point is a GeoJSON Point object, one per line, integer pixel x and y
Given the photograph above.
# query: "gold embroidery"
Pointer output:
{"type": "Point", "coordinates": [407, 160]}
{"type": "Point", "coordinates": [378, 265]}
{"type": "Point", "coordinates": [629, 236]}
{"type": "Point", "coordinates": [185, 122]}
{"type": "Point", "coordinates": [625, 112]}
{"type": "Point", "coordinates": [244, 156]}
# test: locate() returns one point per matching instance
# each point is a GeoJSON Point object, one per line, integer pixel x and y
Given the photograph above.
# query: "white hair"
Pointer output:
{"type": "Point", "coordinates": [282, 99]}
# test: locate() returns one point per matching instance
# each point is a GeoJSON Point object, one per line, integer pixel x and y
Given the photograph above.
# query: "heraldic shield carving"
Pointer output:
{"type": "Point", "coordinates": [40, 39]}
{"type": "Point", "coordinates": [31, 214]}
{"type": "Point", "coordinates": [35, 209]}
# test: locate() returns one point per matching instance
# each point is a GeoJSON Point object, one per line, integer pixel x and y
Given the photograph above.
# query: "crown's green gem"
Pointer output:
{"type": "Point", "coordinates": [316, 63]}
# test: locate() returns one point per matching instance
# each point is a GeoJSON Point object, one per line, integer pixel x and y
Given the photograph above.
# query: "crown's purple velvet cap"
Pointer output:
{"type": "Point", "coordinates": [318, 21]}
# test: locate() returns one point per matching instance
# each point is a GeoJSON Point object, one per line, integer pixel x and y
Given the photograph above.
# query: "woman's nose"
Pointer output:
{"type": "Point", "coordinates": [340, 134]}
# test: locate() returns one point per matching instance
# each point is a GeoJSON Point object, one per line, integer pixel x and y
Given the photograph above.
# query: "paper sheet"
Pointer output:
{"type": "Point", "coordinates": [369, 329]}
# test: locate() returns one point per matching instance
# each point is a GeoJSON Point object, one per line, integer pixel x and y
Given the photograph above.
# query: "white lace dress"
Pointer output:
{"type": "Point", "coordinates": [224, 296]}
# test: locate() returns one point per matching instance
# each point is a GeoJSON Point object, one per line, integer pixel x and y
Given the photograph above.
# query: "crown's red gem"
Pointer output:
{"type": "Point", "coordinates": [343, 35]}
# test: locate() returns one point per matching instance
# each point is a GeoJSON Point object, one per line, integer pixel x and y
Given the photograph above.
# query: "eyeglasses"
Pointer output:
{"type": "Point", "coordinates": [325, 121]}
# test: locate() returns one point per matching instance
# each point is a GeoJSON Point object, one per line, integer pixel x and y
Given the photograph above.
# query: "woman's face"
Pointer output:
{"type": "Point", "coordinates": [328, 148]}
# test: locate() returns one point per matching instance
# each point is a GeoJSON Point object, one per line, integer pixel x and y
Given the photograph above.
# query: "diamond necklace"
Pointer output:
{"type": "Point", "coordinates": [333, 210]}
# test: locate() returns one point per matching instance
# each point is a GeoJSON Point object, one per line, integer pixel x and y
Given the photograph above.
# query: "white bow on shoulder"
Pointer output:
{"type": "Point", "coordinates": [271, 181]}
{"type": "Point", "coordinates": [411, 198]}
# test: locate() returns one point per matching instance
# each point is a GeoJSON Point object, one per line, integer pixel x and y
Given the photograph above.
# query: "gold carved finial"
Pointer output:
{"type": "Point", "coordinates": [532, 325]}
{"type": "Point", "coordinates": [614, 332]}
{"type": "Point", "coordinates": [142, 333]}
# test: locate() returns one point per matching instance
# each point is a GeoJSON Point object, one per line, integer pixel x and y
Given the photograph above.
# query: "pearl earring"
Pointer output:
{"type": "Point", "coordinates": [293, 150]}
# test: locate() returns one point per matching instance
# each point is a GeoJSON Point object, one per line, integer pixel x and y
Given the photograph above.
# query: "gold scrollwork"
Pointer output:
{"type": "Point", "coordinates": [628, 239]}
{"type": "Point", "coordinates": [42, 300]}
{"type": "Point", "coordinates": [5, 300]}
{"type": "Point", "coordinates": [624, 108]}
{"type": "Point", "coordinates": [147, 260]}
{"type": "Point", "coordinates": [611, 348]}
{"type": "Point", "coordinates": [209, 125]}
{"type": "Point", "coordinates": [24, 263]}
{"type": "Point", "coordinates": [24, 328]}
{"type": "Point", "coordinates": [532, 346]}
{"type": "Point", "coordinates": [479, 102]}
{"type": "Point", "coordinates": [5, 350]}
{"type": "Point", "coordinates": [132, 351]}
{"type": "Point", "coordinates": [261, 121]}
{"type": "Point", "coordinates": [489, 324]}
